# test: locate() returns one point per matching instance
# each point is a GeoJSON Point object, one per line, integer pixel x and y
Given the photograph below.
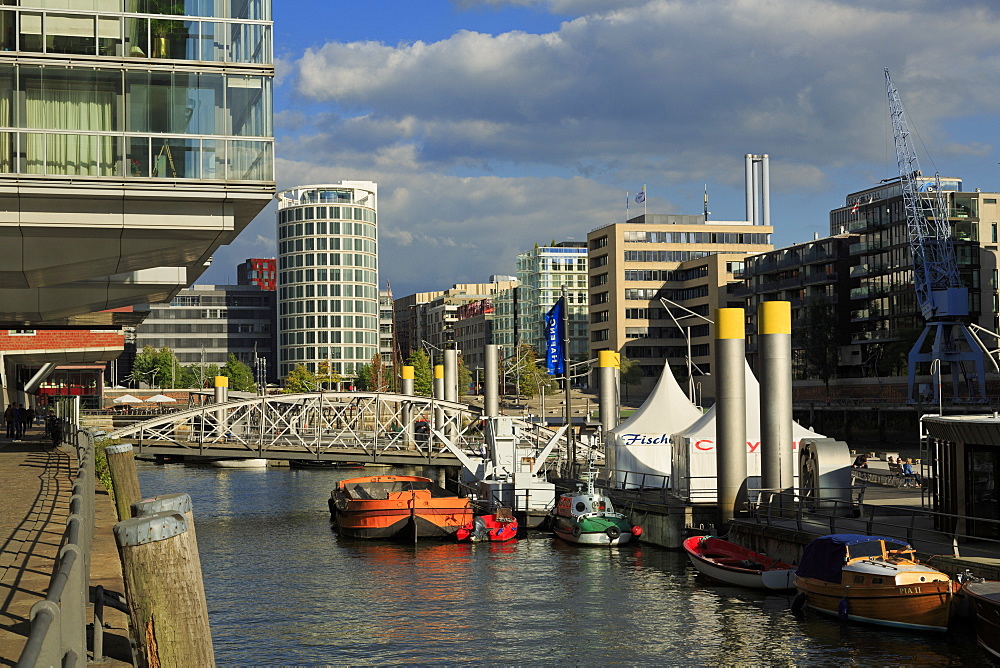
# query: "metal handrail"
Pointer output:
{"type": "Point", "coordinates": [58, 633]}
{"type": "Point", "coordinates": [848, 515]}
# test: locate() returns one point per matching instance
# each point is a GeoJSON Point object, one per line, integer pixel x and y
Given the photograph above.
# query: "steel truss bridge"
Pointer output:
{"type": "Point", "coordinates": [327, 426]}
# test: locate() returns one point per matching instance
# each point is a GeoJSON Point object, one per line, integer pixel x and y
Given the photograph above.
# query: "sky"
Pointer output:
{"type": "Point", "coordinates": [493, 125]}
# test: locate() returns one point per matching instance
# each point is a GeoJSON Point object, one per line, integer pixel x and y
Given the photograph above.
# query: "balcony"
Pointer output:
{"type": "Point", "coordinates": [825, 277]}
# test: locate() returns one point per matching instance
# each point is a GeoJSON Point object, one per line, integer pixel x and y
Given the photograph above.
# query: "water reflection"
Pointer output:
{"type": "Point", "coordinates": [284, 588]}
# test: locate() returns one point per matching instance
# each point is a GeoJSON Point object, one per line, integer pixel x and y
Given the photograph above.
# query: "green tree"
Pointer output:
{"type": "Point", "coordinates": [423, 380]}
{"type": "Point", "coordinates": [240, 375]}
{"type": "Point", "coordinates": [464, 377]}
{"type": "Point", "coordinates": [529, 378]}
{"type": "Point", "coordinates": [156, 368]}
{"type": "Point", "coordinates": [301, 379]}
{"type": "Point", "coordinates": [630, 373]}
{"type": "Point", "coordinates": [817, 337]}
{"type": "Point", "coordinates": [327, 377]}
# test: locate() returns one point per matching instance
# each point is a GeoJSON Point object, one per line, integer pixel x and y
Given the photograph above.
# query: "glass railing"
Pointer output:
{"type": "Point", "coordinates": [120, 35]}
{"type": "Point", "coordinates": [136, 157]}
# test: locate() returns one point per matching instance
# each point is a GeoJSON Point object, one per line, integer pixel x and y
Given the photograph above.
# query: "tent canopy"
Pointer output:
{"type": "Point", "coordinates": [160, 399]}
{"type": "Point", "coordinates": [127, 399]}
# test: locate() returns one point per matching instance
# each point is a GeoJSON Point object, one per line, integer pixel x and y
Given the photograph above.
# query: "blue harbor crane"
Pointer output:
{"type": "Point", "coordinates": [943, 299]}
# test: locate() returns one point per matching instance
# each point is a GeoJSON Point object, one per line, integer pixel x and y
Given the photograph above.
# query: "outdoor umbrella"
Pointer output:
{"type": "Point", "coordinates": [127, 399]}
{"type": "Point", "coordinates": [160, 399]}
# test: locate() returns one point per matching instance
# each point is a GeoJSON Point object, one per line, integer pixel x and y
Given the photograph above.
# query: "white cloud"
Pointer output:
{"type": "Point", "coordinates": [484, 144]}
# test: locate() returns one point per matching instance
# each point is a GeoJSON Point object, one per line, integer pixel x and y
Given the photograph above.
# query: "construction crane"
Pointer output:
{"type": "Point", "coordinates": [943, 299]}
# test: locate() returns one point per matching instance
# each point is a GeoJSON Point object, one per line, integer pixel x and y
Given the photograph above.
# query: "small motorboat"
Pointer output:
{"type": "Point", "coordinates": [323, 464]}
{"type": "Point", "coordinates": [872, 579]}
{"type": "Point", "coordinates": [986, 600]}
{"type": "Point", "coordinates": [397, 506]}
{"type": "Point", "coordinates": [733, 564]}
{"type": "Point", "coordinates": [587, 517]}
{"type": "Point", "coordinates": [255, 463]}
{"type": "Point", "coordinates": [496, 528]}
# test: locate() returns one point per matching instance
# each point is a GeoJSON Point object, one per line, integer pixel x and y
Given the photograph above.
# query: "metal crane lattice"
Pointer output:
{"type": "Point", "coordinates": [943, 299]}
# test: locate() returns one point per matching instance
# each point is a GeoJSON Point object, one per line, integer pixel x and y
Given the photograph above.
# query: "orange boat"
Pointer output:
{"type": "Point", "coordinates": [391, 506]}
{"type": "Point", "coordinates": [873, 579]}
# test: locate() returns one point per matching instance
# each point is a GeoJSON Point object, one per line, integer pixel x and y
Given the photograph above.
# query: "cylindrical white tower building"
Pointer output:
{"type": "Point", "coordinates": [328, 277]}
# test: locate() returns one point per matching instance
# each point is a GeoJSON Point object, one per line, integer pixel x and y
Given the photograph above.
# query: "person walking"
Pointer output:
{"type": "Point", "coordinates": [18, 420]}
{"type": "Point", "coordinates": [27, 419]}
{"type": "Point", "coordinates": [10, 417]}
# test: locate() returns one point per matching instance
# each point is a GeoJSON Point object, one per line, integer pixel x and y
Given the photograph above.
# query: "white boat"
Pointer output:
{"type": "Point", "coordinates": [733, 564]}
{"type": "Point", "coordinates": [587, 517]}
{"type": "Point", "coordinates": [240, 463]}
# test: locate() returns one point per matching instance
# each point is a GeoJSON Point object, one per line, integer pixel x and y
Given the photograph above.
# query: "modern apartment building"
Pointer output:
{"type": "Point", "coordinates": [818, 278]}
{"type": "Point", "coordinates": [261, 272]}
{"type": "Point", "coordinates": [685, 259]}
{"type": "Point", "coordinates": [543, 272]}
{"type": "Point", "coordinates": [328, 296]}
{"type": "Point", "coordinates": [135, 139]}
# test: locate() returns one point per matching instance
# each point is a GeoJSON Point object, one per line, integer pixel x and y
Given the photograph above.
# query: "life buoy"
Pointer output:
{"type": "Point", "coordinates": [613, 532]}
{"type": "Point", "coordinates": [577, 531]}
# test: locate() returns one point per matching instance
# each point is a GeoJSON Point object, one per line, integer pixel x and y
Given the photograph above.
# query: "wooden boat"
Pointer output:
{"type": "Point", "coordinates": [733, 564]}
{"type": "Point", "coordinates": [986, 600]}
{"type": "Point", "coordinates": [391, 506]}
{"type": "Point", "coordinates": [587, 517]}
{"type": "Point", "coordinates": [873, 579]}
{"type": "Point", "coordinates": [496, 528]}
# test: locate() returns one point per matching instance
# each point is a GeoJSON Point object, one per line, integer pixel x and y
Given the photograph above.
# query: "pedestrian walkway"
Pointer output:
{"type": "Point", "coordinates": [35, 490]}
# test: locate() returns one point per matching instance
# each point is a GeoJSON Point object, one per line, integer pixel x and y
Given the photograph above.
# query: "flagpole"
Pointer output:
{"type": "Point", "coordinates": [570, 440]}
{"type": "Point", "coordinates": [626, 206]}
{"type": "Point", "coordinates": [644, 201]}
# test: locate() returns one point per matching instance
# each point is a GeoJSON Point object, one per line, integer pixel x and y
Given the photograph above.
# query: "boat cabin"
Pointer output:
{"type": "Point", "coordinates": [856, 560]}
{"type": "Point", "coordinates": [583, 504]}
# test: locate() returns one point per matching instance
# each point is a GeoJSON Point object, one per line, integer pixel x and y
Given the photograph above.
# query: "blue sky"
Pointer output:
{"type": "Point", "coordinates": [491, 125]}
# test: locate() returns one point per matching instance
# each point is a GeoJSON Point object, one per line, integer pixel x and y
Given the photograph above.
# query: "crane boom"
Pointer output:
{"type": "Point", "coordinates": [940, 293]}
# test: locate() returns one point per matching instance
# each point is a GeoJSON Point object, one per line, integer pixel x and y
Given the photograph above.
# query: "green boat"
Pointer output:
{"type": "Point", "coordinates": [587, 517]}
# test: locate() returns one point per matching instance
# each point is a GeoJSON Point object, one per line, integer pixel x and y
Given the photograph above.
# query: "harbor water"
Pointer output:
{"type": "Point", "coordinates": [284, 589]}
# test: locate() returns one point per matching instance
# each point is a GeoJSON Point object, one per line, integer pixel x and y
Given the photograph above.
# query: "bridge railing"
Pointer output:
{"type": "Point", "coordinates": [58, 633]}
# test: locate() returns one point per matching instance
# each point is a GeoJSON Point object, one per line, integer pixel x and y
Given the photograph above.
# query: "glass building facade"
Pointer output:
{"type": "Point", "coordinates": [137, 89]}
{"type": "Point", "coordinates": [328, 296]}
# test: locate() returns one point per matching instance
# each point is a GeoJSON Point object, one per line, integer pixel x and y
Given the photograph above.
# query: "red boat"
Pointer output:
{"type": "Point", "coordinates": [496, 528]}
{"type": "Point", "coordinates": [733, 564]}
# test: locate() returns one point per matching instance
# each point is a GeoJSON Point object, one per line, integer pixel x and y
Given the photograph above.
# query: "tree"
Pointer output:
{"type": "Point", "coordinates": [301, 379]}
{"type": "Point", "coordinates": [817, 337]}
{"type": "Point", "coordinates": [630, 373]}
{"type": "Point", "coordinates": [464, 377]}
{"type": "Point", "coordinates": [240, 375]}
{"type": "Point", "coordinates": [327, 377]}
{"type": "Point", "coordinates": [156, 367]}
{"type": "Point", "coordinates": [528, 378]}
{"type": "Point", "coordinates": [423, 382]}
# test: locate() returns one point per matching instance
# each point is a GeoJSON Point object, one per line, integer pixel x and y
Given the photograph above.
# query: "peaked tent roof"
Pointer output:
{"type": "Point", "coordinates": [706, 424]}
{"type": "Point", "coordinates": [666, 410]}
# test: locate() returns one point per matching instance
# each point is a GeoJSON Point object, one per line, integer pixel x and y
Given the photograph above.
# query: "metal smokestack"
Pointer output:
{"type": "Point", "coordinates": [748, 186]}
{"type": "Point", "coordinates": [730, 409]}
{"type": "Point", "coordinates": [774, 328]}
{"type": "Point", "coordinates": [765, 191]}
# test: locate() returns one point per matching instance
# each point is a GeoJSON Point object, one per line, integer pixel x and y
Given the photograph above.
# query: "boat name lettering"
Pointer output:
{"type": "Point", "coordinates": [644, 439]}
{"type": "Point", "coordinates": [909, 590]}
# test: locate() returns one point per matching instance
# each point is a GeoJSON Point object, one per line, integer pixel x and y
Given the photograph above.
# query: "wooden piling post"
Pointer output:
{"type": "Point", "coordinates": [165, 591]}
{"type": "Point", "coordinates": [170, 503]}
{"type": "Point", "coordinates": [124, 479]}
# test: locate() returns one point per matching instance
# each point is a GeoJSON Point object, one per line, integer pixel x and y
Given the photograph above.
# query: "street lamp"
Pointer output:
{"type": "Point", "coordinates": [686, 330]}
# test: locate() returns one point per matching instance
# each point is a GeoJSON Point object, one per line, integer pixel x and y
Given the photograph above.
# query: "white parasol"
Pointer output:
{"type": "Point", "coordinates": [127, 399]}
{"type": "Point", "coordinates": [160, 399]}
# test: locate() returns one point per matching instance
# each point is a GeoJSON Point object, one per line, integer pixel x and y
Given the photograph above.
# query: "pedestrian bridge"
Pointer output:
{"type": "Point", "coordinates": [326, 426]}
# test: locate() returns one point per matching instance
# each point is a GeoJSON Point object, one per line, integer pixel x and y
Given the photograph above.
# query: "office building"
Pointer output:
{"type": "Point", "coordinates": [261, 272]}
{"type": "Point", "coordinates": [135, 139]}
{"type": "Point", "coordinates": [205, 324]}
{"type": "Point", "coordinates": [685, 259]}
{"type": "Point", "coordinates": [328, 296]}
{"type": "Point", "coordinates": [543, 272]}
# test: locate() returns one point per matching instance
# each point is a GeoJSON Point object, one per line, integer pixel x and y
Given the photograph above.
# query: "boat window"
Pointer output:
{"type": "Point", "coordinates": [878, 581]}
{"type": "Point", "coordinates": [580, 506]}
{"type": "Point", "coordinates": [899, 547]}
{"type": "Point", "coordinates": [859, 579]}
{"type": "Point", "coordinates": [872, 549]}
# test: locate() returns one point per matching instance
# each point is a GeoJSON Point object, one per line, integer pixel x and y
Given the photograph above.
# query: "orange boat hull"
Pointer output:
{"type": "Point", "coordinates": [424, 512]}
{"type": "Point", "coordinates": [924, 605]}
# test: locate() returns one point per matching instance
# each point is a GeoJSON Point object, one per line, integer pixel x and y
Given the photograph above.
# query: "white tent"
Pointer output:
{"type": "Point", "coordinates": [694, 451]}
{"type": "Point", "coordinates": [641, 444]}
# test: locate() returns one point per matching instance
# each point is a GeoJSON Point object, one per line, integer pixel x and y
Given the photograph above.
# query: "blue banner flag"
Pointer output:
{"type": "Point", "coordinates": [554, 335]}
{"type": "Point", "coordinates": [640, 196]}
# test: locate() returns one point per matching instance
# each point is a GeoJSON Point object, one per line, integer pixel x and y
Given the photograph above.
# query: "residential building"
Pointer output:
{"type": "Point", "coordinates": [132, 145]}
{"type": "Point", "coordinates": [543, 273]}
{"type": "Point", "coordinates": [473, 332]}
{"type": "Point", "coordinates": [385, 336]}
{"type": "Point", "coordinates": [328, 296]}
{"type": "Point", "coordinates": [685, 259]}
{"type": "Point", "coordinates": [205, 324]}
{"type": "Point", "coordinates": [261, 272]}
{"type": "Point", "coordinates": [818, 278]}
